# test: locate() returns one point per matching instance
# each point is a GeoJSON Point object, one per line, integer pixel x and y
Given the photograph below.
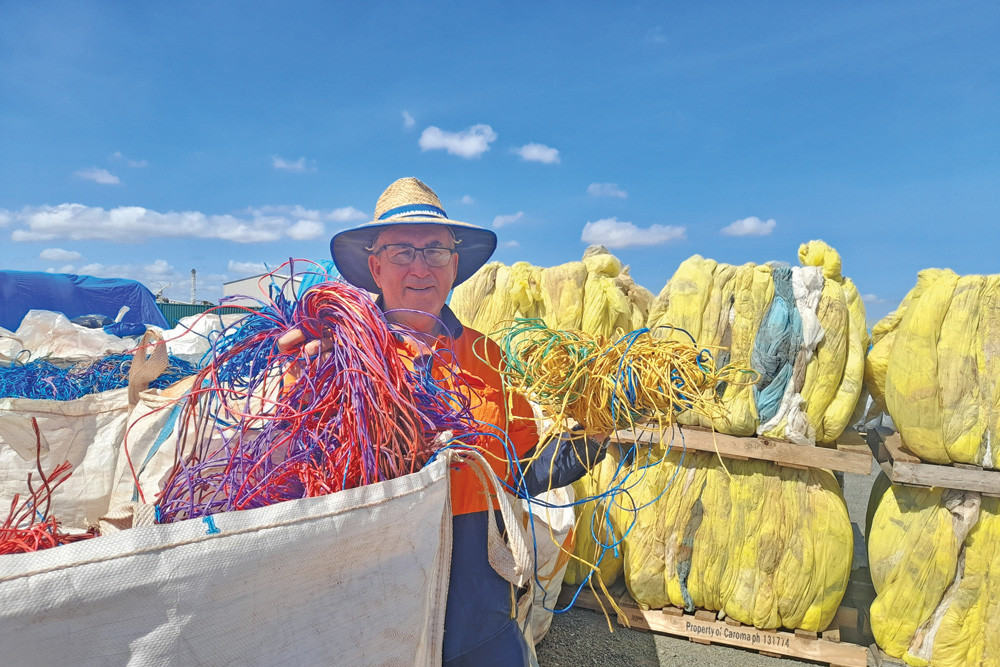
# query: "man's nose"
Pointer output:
{"type": "Point", "coordinates": [419, 265]}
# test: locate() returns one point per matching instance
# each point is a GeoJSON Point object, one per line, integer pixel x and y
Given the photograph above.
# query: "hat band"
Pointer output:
{"type": "Point", "coordinates": [414, 211]}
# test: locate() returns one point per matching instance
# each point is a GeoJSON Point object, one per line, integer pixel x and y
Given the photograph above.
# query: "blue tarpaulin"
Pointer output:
{"type": "Point", "coordinates": [21, 291]}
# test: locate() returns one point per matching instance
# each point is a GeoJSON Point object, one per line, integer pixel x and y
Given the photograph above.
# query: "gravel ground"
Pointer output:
{"type": "Point", "coordinates": [581, 636]}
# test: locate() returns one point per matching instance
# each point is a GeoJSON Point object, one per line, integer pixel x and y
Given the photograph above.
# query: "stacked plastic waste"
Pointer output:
{"type": "Point", "coordinates": [802, 328]}
{"type": "Point", "coordinates": [766, 545]}
{"type": "Point", "coordinates": [934, 556]}
{"type": "Point", "coordinates": [934, 553]}
{"type": "Point", "coordinates": [596, 295]}
{"type": "Point", "coordinates": [935, 366]}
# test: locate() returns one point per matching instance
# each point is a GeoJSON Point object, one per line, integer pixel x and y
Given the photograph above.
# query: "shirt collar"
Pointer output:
{"type": "Point", "coordinates": [453, 328]}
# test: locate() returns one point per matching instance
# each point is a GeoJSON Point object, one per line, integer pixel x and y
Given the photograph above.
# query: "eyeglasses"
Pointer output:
{"type": "Point", "coordinates": [403, 254]}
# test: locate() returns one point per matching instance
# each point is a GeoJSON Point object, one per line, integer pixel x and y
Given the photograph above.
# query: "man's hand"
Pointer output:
{"type": "Point", "coordinates": [600, 437]}
{"type": "Point", "coordinates": [294, 339]}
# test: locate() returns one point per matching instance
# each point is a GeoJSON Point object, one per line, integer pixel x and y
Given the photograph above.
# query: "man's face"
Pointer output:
{"type": "Point", "coordinates": [414, 286]}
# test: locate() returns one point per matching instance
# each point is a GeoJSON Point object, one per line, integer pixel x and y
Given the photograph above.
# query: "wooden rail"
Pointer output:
{"type": "Point", "coordinates": [902, 467]}
{"type": "Point", "coordinates": [850, 455]}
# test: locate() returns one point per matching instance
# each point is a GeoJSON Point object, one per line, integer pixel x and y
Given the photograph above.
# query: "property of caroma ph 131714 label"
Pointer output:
{"type": "Point", "coordinates": [747, 636]}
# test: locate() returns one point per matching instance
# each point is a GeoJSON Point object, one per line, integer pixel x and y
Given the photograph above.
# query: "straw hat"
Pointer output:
{"type": "Point", "coordinates": [408, 202]}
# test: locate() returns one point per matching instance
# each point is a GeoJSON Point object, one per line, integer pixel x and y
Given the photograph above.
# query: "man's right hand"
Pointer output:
{"type": "Point", "coordinates": [293, 339]}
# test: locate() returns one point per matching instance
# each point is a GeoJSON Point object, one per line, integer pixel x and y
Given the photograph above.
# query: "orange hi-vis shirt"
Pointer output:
{"type": "Point", "coordinates": [477, 359]}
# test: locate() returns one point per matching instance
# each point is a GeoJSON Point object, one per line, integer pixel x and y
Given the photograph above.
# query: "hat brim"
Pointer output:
{"type": "Point", "coordinates": [350, 254]}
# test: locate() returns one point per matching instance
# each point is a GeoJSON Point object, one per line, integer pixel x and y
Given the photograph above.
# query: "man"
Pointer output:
{"type": "Point", "coordinates": [412, 255]}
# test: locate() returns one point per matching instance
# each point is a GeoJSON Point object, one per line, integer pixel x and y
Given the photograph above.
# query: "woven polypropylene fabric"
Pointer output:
{"type": "Point", "coordinates": [86, 431]}
{"type": "Point", "coordinates": [358, 577]}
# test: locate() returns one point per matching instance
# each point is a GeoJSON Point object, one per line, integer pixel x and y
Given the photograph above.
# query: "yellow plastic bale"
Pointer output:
{"type": "Point", "coordinates": [640, 298]}
{"type": "Point", "coordinates": [876, 366]}
{"type": "Point", "coordinates": [913, 550]}
{"type": "Point", "coordinates": [655, 554]}
{"type": "Point", "coordinates": [682, 300]}
{"type": "Point", "coordinates": [819, 253]}
{"type": "Point", "coordinates": [813, 573]}
{"type": "Point", "coordinates": [710, 556]}
{"type": "Point", "coordinates": [825, 370]}
{"type": "Point", "coordinates": [599, 260]}
{"type": "Point", "coordinates": [912, 390]}
{"type": "Point", "coordinates": [770, 547]}
{"type": "Point", "coordinates": [837, 414]}
{"type": "Point", "coordinates": [715, 327]}
{"type": "Point", "coordinates": [606, 311]}
{"type": "Point", "coordinates": [468, 297]}
{"type": "Point", "coordinates": [884, 337]}
{"type": "Point", "coordinates": [940, 352]}
{"type": "Point", "coordinates": [498, 306]}
{"type": "Point", "coordinates": [963, 422]}
{"type": "Point", "coordinates": [591, 519]}
{"type": "Point", "coordinates": [757, 535]}
{"type": "Point", "coordinates": [754, 290]}
{"type": "Point", "coordinates": [969, 628]}
{"type": "Point", "coordinates": [989, 375]}
{"type": "Point", "coordinates": [562, 295]}
{"type": "Point", "coordinates": [526, 290]}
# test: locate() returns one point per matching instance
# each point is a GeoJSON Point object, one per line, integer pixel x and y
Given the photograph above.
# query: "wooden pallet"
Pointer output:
{"type": "Point", "coordinates": [850, 455]}
{"type": "Point", "coordinates": [704, 627]}
{"type": "Point", "coordinates": [902, 467]}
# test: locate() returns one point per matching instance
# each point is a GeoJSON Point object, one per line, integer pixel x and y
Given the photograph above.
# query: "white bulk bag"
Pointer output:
{"type": "Point", "coordinates": [87, 432]}
{"type": "Point", "coordinates": [354, 578]}
{"type": "Point", "coordinates": [553, 543]}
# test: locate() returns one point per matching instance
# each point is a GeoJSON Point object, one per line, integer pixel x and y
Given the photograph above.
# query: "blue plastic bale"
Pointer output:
{"type": "Point", "coordinates": [778, 341]}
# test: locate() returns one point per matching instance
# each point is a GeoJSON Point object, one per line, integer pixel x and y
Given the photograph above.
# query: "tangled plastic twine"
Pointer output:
{"type": "Point", "coordinates": [636, 380]}
{"type": "Point", "coordinates": [41, 379]}
{"type": "Point", "coordinates": [262, 425]}
{"type": "Point", "coordinates": [28, 526]}
{"type": "Point", "coordinates": [613, 385]}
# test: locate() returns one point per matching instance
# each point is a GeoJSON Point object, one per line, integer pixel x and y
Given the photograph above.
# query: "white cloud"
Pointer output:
{"type": "Point", "coordinates": [5, 217]}
{"type": "Point", "coordinates": [244, 269]}
{"type": "Point", "coordinates": [135, 164]}
{"type": "Point", "coordinates": [135, 223]}
{"type": "Point", "coordinates": [503, 220]}
{"type": "Point", "coordinates": [465, 200]}
{"type": "Point", "coordinates": [159, 271]}
{"type": "Point", "coordinates": [872, 299]}
{"type": "Point", "coordinates": [606, 190]}
{"type": "Point", "coordinates": [59, 255]}
{"type": "Point", "coordinates": [305, 230]}
{"type": "Point", "coordinates": [157, 275]}
{"type": "Point", "coordinates": [510, 244]}
{"type": "Point", "coordinates": [752, 226]}
{"type": "Point", "coordinates": [346, 214]}
{"type": "Point", "coordinates": [470, 143]}
{"type": "Point", "coordinates": [297, 166]}
{"type": "Point", "coordinates": [98, 175]}
{"type": "Point", "coordinates": [612, 233]}
{"type": "Point", "coordinates": [159, 267]}
{"type": "Point", "coordinates": [538, 153]}
{"type": "Point", "coordinates": [408, 120]}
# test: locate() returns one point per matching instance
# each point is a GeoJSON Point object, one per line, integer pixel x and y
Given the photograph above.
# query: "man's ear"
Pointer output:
{"type": "Point", "coordinates": [376, 269]}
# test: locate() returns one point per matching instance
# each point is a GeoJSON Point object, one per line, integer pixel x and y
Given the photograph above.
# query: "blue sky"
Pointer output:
{"type": "Point", "coordinates": [146, 139]}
